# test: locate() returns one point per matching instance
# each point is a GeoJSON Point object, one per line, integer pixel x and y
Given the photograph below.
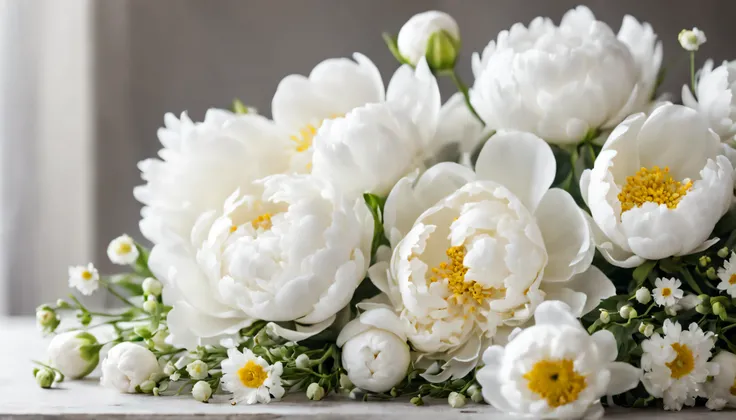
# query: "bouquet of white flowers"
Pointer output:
{"type": "Point", "coordinates": [551, 239]}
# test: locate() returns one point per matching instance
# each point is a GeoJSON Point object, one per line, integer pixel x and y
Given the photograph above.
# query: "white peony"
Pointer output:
{"type": "Point", "coordinates": [76, 354]}
{"type": "Point", "coordinates": [723, 385]}
{"type": "Point", "coordinates": [676, 364]}
{"type": "Point", "coordinates": [672, 152]}
{"type": "Point", "coordinates": [296, 252]}
{"type": "Point", "coordinates": [417, 38]}
{"type": "Point", "coordinates": [376, 359]}
{"type": "Point", "coordinates": [716, 97]}
{"type": "Point", "coordinates": [375, 145]}
{"type": "Point", "coordinates": [475, 253]}
{"type": "Point", "coordinates": [562, 82]}
{"type": "Point", "coordinates": [127, 366]}
{"type": "Point", "coordinates": [555, 370]}
{"type": "Point", "coordinates": [201, 164]}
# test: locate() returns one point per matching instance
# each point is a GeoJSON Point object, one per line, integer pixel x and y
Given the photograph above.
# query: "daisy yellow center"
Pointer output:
{"type": "Point", "coordinates": [306, 134]}
{"type": "Point", "coordinates": [654, 185]}
{"type": "Point", "coordinates": [263, 221]}
{"type": "Point", "coordinates": [732, 279]}
{"type": "Point", "coordinates": [556, 381]}
{"type": "Point", "coordinates": [666, 291]}
{"type": "Point", "coordinates": [454, 272]}
{"type": "Point", "coordinates": [252, 375]}
{"type": "Point", "coordinates": [86, 275]}
{"type": "Point", "coordinates": [683, 362]}
{"type": "Point", "coordinates": [124, 248]}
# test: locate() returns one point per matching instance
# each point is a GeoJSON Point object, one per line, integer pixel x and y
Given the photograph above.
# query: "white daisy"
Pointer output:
{"type": "Point", "coordinates": [676, 365]}
{"type": "Point", "coordinates": [667, 291]}
{"type": "Point", "coordinates": [250, 378]}
{"type": "Point", "coordinates": [727, 274]}
{"type": "Point", "coordinates": [722, 389]}
{"type": "Point", "coordinates": [86, 279]}
{"type": "Point", "coordinates": [122, 250]}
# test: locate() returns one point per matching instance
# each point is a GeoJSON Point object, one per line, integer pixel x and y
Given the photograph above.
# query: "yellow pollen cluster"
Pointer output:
{"type": "Point", "coordinates": [652, 185]}
{"type": "Point", "coordinates": [263, 221]}
{"type": "Point", "coordinates": [683, 363]}
{"type": "Point", "coordinates": [306, 134]}
{"type": "Point", "coordinates": [86, 275]}
{"type": "Point", "coordinates": [556, 381]}
{"type": "Point", "coordinates": [666, 291]}
{"type": "Point", "coordinates": [732, 279]}
{"type": "Point", "coordinates": [124, 248]}
{"type": "Point", "coordinates": [252, 375]}
{"type": "Point", "coordinates": [454, 272]}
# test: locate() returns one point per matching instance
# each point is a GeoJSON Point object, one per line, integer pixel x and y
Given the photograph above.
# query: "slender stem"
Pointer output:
{"type": "Point", "coordinates": [112, 291]}
{"type": "Point", "coordinates": [692, 71]}
{"type": "Point", "coordinates": [462, 88]}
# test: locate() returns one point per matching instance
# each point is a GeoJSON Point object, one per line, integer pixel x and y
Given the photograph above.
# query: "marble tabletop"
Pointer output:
{"type": "Point", "coordinates": [21, 398]}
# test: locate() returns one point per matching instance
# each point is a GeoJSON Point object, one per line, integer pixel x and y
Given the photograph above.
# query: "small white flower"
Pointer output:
{"type": "Point", "coordinates": [727, 274]}
{"type": "Point", "coordinates": [375, 359]}
{"type": "Point", "coordinates": [152, 286]}
{"type": "Point", "coordinates": [127, 366]}
{"type": "Point", "coordinates": [122, 250]}
{"type": "Point", "coordinates": [456, 400]}
{"type": "Point", "coordinates": [643, 296]}
{"type": "Point", "coordinates": [676, 365]}
{"type": "Point", "coordinates": [197, 370]}
{"type": "Point", "coordinates": [667, 291]}
{"type": "Point", "coordinates": [691, 39]}
{"type": "Point", "coordinates": [175, 376]}
{"type": "Point", "coordinates": [722, 389]}
{"type": "Point", "coordinates": [302, 361]}
{"type": "Point", "coordinates": [85, 279]}
{"type": "Point", "coordinates": [250, 378]}
{"type": "Point", "coordinates": [76, 354]}
{"type": "Point", "coordinates": [554, 369]}
{"type": "Point", "coordinates": [202, 391]}
{"type": "Point", "coordinates": [418, 38]}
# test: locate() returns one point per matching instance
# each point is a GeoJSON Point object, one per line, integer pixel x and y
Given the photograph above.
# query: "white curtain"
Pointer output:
{"type": "Point", "coordinates": [46, 148]}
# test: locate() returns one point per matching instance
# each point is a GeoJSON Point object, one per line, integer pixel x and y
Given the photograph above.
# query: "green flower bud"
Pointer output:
{"type": "Point", "coordinates": [147, 386]}
{"type": "Point", "coordinates": [633, 314]}
{"type": "Point", "coordinates": [46, 319]}
{"type": "Point", "coordinates": [418, 401]}
{"type": "Point", "coordinates": [45, 378]}
{"type": "Point", "coordinates": [605, 317]}
{"type": "Point", "coordinates": [156, 391]}
{"type": "Point", "coordinates": [150, 305]}
{"type": "Point", "coordinates": [711, 273]}
{"type": "Point", "coordinates": [345, 382]}
{"type": "Point", "coordinates": [62, 304]}
{"type": "Point", "coordinates": [142, 331]}
{"type": "Point", "coordinates": [315, 392]}
{"type": "Point", "coordinates": [719, 310]}
{"type": "Point", "coordinates": [456, 400]}
{"type": "Point", "coordinates": [704, 261]}
{"type": "Point", "coordinates": [394, 392]}
{"type": "Point", "coordinates": [442, 51]}
{"type": "Point", "coordinates": [723, 252]}
{"type": "Point", "coordinates": [643, 296]}
{"type": "Point", "coordinates": [702, 309]}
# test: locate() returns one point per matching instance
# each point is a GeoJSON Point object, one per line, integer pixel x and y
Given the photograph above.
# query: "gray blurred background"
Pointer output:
{"type": "Point", "coordinates": [85, 85]}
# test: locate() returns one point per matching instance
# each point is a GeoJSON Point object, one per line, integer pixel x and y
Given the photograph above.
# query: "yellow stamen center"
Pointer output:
{"type": "Point", "coordinates": [556, 381]}
{"type": "Point", "coordinates": [454, 272]}
{"type": "Point", "coordinates": [233, 228]}
{"type": "Point", "coordinates": [124, 248]}
{"type": "Point", "coordinates": [263, 221]}
{"type": "Point", "coordinates": [306, 134]}
{"type": "Point", "coordinates": [733, 388]}
{"type": "Point", "coordinates": [683, 363]}
{"type": "Point", "coordinates": [652, 185]}
{"type": "Point", "coordinates": [86, 275]}
{"type": "Point", "coordinates": [252, 375]}
{"type": "Point", "coordinates": [666, 291]}
{"type": "Point", "coordinates": [732, 279]}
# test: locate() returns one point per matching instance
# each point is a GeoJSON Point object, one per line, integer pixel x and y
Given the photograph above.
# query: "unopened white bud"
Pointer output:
{"type": "Point", "coordinates": [456, 400]}
{"type": "Point", "coordinates": [315, 392]}
{"type": "Point", "coordinates": [202, 391]}
{"type": "Point", "coordinates": [691, 39]}
{"type": "Point", "coordinates": [152, 286]}
{"type": "Point", "coordinates": [302, 361]}
{"type": "Point", "coordinates": [643, 296]}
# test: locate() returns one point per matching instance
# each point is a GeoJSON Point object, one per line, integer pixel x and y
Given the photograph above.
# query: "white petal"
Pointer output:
{"type": "Point", "coordinates": [302, 332]}
{"type": "Point", "coordinates": [607, 346]}
{"type": "Point", "coordinates": [384, 319]}
{"type": "Point", "coordinates": [623, 378]}
{"type": "Point", "coordinates": [553, 312]}
{"type": "Point", "coordinates": [594, 284]}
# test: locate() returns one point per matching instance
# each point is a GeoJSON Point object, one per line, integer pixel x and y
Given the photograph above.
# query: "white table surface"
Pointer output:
{"type": "Point", "coordinates": [20, 397]}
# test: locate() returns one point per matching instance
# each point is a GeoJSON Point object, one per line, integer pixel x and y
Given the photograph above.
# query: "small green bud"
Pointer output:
{"type": "Point", "coordinates": [711, 273]}
{"type": "Point", "coordinates": [418, 401]}
{"type": "Point", "coordinates": [633, 314]}
{"type": "Point", "coordinates": [240, 108]}
{"type": "Point", "coordinates": [719, 310]}
{"type": "Point", "coordinates": [35, 371]}
{"type": "Point", "coordinates": [150, 305]}
{"type": "Point", "coordinates": [723, 252]}
{"type": "Point", "coordinates": [456, 400]}
{"type": "Point", "coordinates": [62, 304]}
{"type": "Point", "coordinates": [45, 378]}
{"type": "Point", "coordinates": [704, 299]}
{"type": "Point", "coordinates": [394, 392]}
{"type": "Point", "coordinates": [142, 331]}
{"type": "Point", "coordinates": [315, 392]}
{"type": "Point", "coordinates": [442, 51]}
{"type": "Point", "coordinates": [704, 261]}
{"type": "Point", "coordinates": [147, 386]}
{"type": "Point", "coordinates": [702, 309]}
{"type": "Point", "coordinates": [47, 319]}
{"type": "Point", "coordinates": [643, 296]}
{"type": "Point", "coordinates": [605, 317]}
{"type": "Point", "coordinates": [84, 318]}
{"type": "Point", "coordinates": [156, 391]}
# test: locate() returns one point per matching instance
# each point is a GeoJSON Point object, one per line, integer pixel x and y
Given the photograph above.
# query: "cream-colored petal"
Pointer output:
{"type": "Point", "coordinates": [623, 378]}
{"type": "Point", "coordinates": [300, 332]}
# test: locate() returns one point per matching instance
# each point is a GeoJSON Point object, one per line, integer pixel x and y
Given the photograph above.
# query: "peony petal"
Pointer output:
{"type": "Point", "coordinates": [302, 332]}
{"type": "Point", "coordinates": [350, 330]}
{"type": "Point", "coordinates": [553, 312]}
{"type": "Point", "coordinates": [607, 346]}
{"type": "Point", "coordinates": [384, 319]}
{"type": "Point", "coordinates": [522, 162]}
{"type": "Point", "coordinates": [190, 328]}
{"type": "Point", "coordinates": [623, 378]}
{"type": "Point", "coordinates": [594, 284]}
{"type": "Point", "coordinates": [575, 300]}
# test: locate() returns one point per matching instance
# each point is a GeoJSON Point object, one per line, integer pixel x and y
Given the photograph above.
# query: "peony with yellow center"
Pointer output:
{"type": "Point", "coordinates": [658, 187]}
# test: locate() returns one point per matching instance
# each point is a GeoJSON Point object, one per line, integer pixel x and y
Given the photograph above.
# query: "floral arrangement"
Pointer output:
{"type": "Point", "coordinates": [555, 238]}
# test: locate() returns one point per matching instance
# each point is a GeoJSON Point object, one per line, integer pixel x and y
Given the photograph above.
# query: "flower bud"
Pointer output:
{"type": "Point", "coordinates": [197, 370]}
{"type": "Point", "coordinates": [456, 400]}
{"type": "Point", "coordinates": [605, 317]}
{"type": "Point", "coordinates": [302, 361]}
{"type": "Point", "coordinates": [315, 392]}
{"type": "Point", "coordinates": [175, 376]}
{"type": "Point", "coordinates": [345, 382]}
{"type": "Point", "coordinates": [649, 330]}
{"type": "Point", "coordinates": [62, 304]}
{"type": "Point", "coordinates": [45, 378]}
{"type": "Point", "coordinates": [670, 310]}
{"type": "Point", "coordinates": [46, 319]}
{"type": "Point", "coordinates": [625, 311]}
{"type": "Point", "coordinates": [156, 391]}
{"type": "Point", "coordinates": [433, 34]}
{"type": "Point", "coordinates": [394, 392]}
{"type": "Point", "coordinates": [202, 391]}
{"type": "Point", "coordinates": [169, 368]}
{"type": "Point", "coordinates": [633, 314]}
{"type": "Point", "coordinates": [76, 354]}
{"type": "Point", "coordinates": [691, 39]}
{"type": "Point", "coordinates": [376, 360]}
{"type": "Point", "coordinates": [711, 273]}
{"type": "Point", "coordinates": [142, 331]}
{"type": "Point", "coordinates": [477, 396]}
{"type": "Point", "coordinates": [418, 401]}
{"type": "Point", "coordinates": [704, 261]}
{"type": "Point", "coordinates": [128, 366]}
{"type": "Point", "coordinates": [643, 296]}
{"type": "Point", "coordinates": [723, 252]}
{"type": "Point", "coordinates": [147, 386]}
{"type": "Point", "coordinates": [719, 310]}
{"type": "Point", "coordinates": [152, 286]}
{"type": "Point", "coordinates": [150, 305]}
{"type": "Point", "coordinates": [702, 309]}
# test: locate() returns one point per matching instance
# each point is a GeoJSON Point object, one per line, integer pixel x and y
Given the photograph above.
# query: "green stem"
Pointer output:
{"type": "Point", "coordinates": [692, 71]}
{"type": "Point", "coordinates": [462, 88]}
{"type": "Point", "coordinates": [112, 291]}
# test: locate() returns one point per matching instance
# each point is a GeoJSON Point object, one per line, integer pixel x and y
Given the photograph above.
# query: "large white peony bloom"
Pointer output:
{"type": "Point", "coordinates": [201, 164]}
{"type": "Point", "coordinates": [716, 91]}
{"type": "Point", "coordinates": [296, 252]}
{"type": "Point", "coordinates": [672, 153]}
{"type": "Point", "coordinates": [475, 253]}
{"type": "Point", "coordinates": [555, 369]}
{"type": "Point", "coordinates": [375, 145]}
{"type": "Point", "coordinates": [561, 82]}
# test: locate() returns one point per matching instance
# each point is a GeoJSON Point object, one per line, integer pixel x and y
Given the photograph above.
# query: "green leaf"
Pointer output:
{"type": "Point", "coordinates": [641, 272]}
{"type": "Point", "coordinates": [688, 277]}
{"type": "Point", "coordinates": [390, 41]}
{"type": "Point", "coordinates": [141, 264]}
{"type": "Point", "coordinates": [375, 205]}
{"type": "Point", "coordinates": [239, 107]}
